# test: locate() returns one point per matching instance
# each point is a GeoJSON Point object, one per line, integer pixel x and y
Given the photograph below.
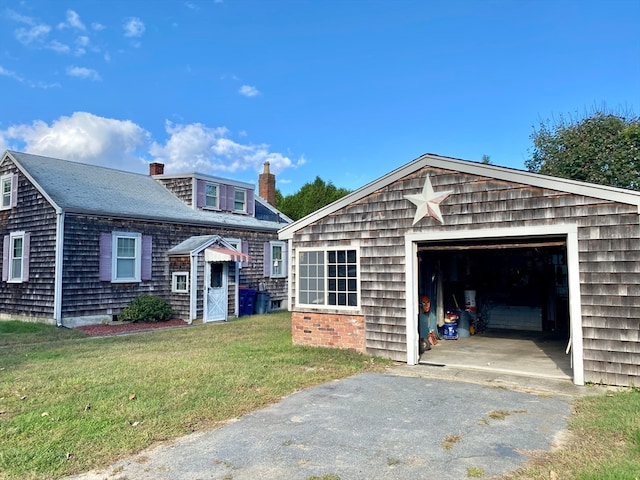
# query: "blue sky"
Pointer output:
{"type": "Point", "coordinates": [346, 90]}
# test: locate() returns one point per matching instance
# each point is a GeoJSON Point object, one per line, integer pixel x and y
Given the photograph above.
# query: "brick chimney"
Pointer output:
{"type": "Point", "coordinates": [267, 185]}
{"type": "Point", "coordinates": [156, 168]}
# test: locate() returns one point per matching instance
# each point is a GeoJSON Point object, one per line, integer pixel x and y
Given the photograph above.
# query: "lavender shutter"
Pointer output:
{"type": "Point", "coordinates": [267, 260]}
{"type": "Point", "coordinates": [26, 244]}
{"type": "Point", "coordinates": [222, 197]}
{"type": "Point", "coordinates": [14, 191]}
{"type": "Point", "coordinates": [251, 205]}
{"type": "Point", "coordinates": [245, 250]}
{"type": "Point", "coordinates": [5, 258]}
{"type": "Point", "coordinates": [201, 190]}
{"type": "Point", "coordinates": [231, 198]}
{"type": "Point", "coordinates": [105, 257]}
{"type": "Point", "coordinates": [285, 258]}
{"type": "Point", "coordinates": [146, 257]}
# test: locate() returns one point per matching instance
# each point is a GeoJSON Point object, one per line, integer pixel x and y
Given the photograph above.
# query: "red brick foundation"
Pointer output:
{"type": "Point", "coordinates": [328, 330]}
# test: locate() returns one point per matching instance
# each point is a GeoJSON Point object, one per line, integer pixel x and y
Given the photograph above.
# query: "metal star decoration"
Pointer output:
{"type": "Point", "coordinates": [428, 202]}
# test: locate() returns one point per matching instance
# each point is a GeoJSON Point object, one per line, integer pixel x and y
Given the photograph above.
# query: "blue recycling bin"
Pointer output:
{"type": "Point", "coordinates": [247, 301]}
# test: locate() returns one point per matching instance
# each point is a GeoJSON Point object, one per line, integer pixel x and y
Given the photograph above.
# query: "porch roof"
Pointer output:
{"type": "Point", "coordinates": [220, 254]}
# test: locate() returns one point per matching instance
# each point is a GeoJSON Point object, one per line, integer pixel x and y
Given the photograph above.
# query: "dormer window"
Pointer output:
{"type": "Point", "coordinates": [240, 201]}
{"type": "Point", "coordinates": [211, 195]}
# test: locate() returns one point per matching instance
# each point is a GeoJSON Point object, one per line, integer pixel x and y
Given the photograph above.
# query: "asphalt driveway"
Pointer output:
{"type": "Point", "coordinates": [370, 426]}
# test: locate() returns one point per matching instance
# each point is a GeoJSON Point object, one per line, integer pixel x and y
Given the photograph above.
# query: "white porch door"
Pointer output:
{"type": "Point", "coordinates": [215, 292]}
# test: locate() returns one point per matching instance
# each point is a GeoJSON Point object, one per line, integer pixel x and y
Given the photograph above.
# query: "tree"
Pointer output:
{"type": "Point", "coordinates": [311, 197]}
{"type": "Point", "coordinates": [486, 159]}
{"type": "Point", "coordinates": [603, 148]}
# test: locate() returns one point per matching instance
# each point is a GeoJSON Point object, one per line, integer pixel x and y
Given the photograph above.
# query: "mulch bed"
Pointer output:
{"type": "Point", "coordinates": [115, 328]}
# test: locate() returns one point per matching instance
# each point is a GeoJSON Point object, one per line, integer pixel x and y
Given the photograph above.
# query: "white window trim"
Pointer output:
{"type": "Point", "coordinates": [283, 246]}
{"type": "Point", "coordinates": [12, 278]}
{"type": "Point", "coordinates": [217, 187]}
{"type": "Point", "coordinates": [174, 282]}
{"type": "Point", "coordinates": [244, 193]}
{"type": "Point", "coordinates": [326, 305]}
{"type": "Point", "coordinates": [137, 260]}
{"type": "Point", "coordinates": [3, 179]}
{"type": "Point", "coordinates": [237, 244]}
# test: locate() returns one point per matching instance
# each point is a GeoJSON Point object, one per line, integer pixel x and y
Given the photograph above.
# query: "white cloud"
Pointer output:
{"type": "Point", "coordinates": [17, 17]}
{"type": "Point", "coordinates": [27, 36]}
{"type": "Point", "coordinates": [57, 47]}
{"type": "Point", "coordinates": [196, 147]}
{"type": "Point", "coordinates": [73, 21]}
{"type": "Point", "coordinates": [11, 74]}
{"type": "Point", "coordinates": [123, 144]}
{"type": "Point", "coordinates": [133, 27]}
{"type": "Point", "coordinates": [84, 73]}
{"type": "Point", "coordinates": [83, 137]}
{"type": "Point", "coordinates": [248, 91]}
{"type": "Point", "coordinates": [17, 77]}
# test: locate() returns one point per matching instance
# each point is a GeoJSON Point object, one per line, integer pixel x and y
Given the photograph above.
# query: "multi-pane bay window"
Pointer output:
{"type": "Point", "coordinates": [328, 277]}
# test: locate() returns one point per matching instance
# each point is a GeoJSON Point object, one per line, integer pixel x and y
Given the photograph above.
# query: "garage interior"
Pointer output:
{"type": "Point", "coordinates": [506, 302]}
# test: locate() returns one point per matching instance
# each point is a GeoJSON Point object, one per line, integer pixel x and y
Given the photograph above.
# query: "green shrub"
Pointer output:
{"type": "Point", "coordinates": [146, 308]}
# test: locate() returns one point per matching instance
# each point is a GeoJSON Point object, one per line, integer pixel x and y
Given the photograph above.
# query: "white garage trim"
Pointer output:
{"type": "Point", "coordinates": [569, 231]}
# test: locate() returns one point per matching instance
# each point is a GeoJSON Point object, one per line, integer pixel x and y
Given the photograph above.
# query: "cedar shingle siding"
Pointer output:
{"type": "Point", "coordinates": [82, 202]}
{"type": "Point", "coordinates": [33, 298]}
{"type": "Point", "coordinates": [377, 222]}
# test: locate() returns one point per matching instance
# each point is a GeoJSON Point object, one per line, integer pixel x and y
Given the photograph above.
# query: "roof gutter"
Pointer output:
{"type": "Point", "coordinates": [175, 221]}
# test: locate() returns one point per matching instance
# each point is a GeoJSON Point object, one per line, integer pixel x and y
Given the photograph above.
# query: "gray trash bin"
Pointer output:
{"type": "Point", "coordinates": [263, 302]}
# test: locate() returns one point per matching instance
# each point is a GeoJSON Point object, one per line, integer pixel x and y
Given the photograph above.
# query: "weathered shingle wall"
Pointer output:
{"type": "Point", "coordinates": [34, 298]}
{"type": "Point", "coordinates": [85, 294]}
{"type": "Point", "coordinates": [609, 242]}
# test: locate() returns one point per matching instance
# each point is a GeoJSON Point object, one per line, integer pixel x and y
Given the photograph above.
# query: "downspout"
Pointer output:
{"type": "Point", "coordinates": [290, 274]}
{"type": "Point", "coordinates": [237, 290]}
{"type": "Point", "coordinates": [193, 294]}
{"type": "Point", "coordinates": [58, 268]}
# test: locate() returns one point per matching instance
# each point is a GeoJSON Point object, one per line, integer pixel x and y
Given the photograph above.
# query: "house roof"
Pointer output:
{"type": "Point", "coordinates": [89, 189]}
{"type": "Point", "coordinates": [196, 244]}
{"type": "Point", "coordinates": [474, 168]}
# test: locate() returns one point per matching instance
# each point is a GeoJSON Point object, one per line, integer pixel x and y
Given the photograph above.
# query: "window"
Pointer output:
{"type": "Point", "coordinates": [15, 257]}
{"type": "Point", "coordinates": [211, 195]}
{"type": "Point", "coordinates": [125, 257]}
{"type": "Point", "coordinates": [180, 282]}
{"type": "Point", "coordinates": [328, 278]}
{"type": "Point", "coordinates": [275, 259]}
{"type": "Point", "coordinates": [237, 244]}
{"type": "Point", "coordinates": [240, 200]}
{"type": "Point", "coordinates": [8, 191]}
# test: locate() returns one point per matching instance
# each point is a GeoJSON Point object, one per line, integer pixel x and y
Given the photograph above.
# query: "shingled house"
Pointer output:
{"type": "Point", "coordinates": [540, 253]}
{"type": "Point", "coordinates": [81, 241]}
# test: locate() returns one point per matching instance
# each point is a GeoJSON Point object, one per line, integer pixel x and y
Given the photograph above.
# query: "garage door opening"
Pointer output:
{"type": "Point", "coordinates": [507, 302]}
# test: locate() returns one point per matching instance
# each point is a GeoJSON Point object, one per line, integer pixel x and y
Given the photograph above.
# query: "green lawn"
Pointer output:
{"type": "Point", "coordinates": [77, 403]}
{"type": "Point", "coordinates": [69, 403]}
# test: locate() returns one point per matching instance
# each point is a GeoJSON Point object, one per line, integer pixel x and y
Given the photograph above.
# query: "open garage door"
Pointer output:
{"type": "Point", "coordinates": [515, 285]}
{"type": "Point", "coordinates": [513, 291]}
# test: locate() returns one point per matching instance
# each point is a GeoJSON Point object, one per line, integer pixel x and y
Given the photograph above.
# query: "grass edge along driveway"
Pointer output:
{"type": "Point", "coordinates": [69, 404]}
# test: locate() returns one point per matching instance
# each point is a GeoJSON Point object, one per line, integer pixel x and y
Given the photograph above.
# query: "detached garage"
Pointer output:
{"type": "Point", "coordinates": [496, 249]}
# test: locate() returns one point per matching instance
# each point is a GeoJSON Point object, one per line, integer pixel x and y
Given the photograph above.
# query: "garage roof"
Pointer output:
{"type": "Point", "coordinates": [474, 168]}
